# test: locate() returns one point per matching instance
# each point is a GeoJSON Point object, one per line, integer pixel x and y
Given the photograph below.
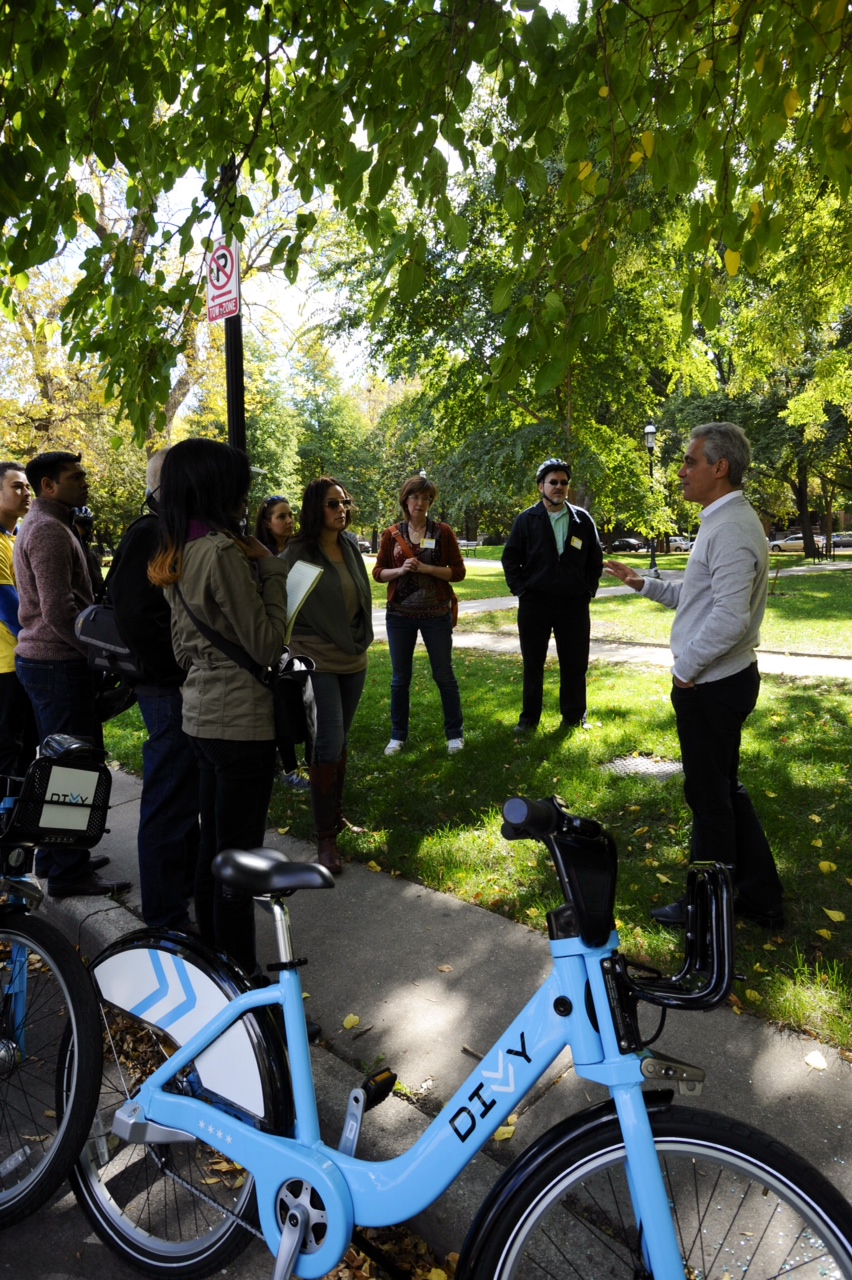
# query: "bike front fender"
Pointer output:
{"type": "Point", "coordinates": [562, 1136]}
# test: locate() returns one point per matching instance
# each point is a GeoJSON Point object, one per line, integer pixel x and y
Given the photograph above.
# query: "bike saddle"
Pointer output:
{"type": "Point", "coordinates": [268, 871]}
{"type": "Point", "coordinates": [62, 746]}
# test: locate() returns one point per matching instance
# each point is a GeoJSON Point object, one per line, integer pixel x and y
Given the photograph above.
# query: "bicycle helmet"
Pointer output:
{"type": "Point", "coordinates": [552, 464]}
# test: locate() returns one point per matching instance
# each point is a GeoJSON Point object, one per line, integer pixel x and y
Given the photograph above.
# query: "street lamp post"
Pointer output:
{"type": "Point", "coordinates": [650, 441]}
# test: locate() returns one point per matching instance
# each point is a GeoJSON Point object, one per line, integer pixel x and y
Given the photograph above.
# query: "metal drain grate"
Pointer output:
{"type": "Point", "coordinates": [649, 766]}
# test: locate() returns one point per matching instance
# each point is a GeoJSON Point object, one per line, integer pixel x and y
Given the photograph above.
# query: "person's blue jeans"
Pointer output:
{"type": "Point", "coordinates": [63, 701]}
{"type": "Point", "coordinates": [167, 842]}
{"type": "Point", "coordinates": [437, 636]}
{"type": "Point", "coordinates": [337, 698]}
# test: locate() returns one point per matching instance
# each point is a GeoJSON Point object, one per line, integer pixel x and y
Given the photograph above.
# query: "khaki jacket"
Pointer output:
{"type": "Point", "coordinates": [246, 602]}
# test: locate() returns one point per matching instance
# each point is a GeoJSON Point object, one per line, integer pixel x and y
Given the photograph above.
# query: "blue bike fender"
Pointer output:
{"type": "Point", "coordinates": [565, 1134]}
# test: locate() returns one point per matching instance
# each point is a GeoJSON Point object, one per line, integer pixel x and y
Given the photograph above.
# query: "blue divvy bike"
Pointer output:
{"type": "Point", "coordinates": [207, 1131]}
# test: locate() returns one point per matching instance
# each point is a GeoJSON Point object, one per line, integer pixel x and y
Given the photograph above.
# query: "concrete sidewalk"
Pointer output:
{"type": "Point", "coordinates": [435, 982]}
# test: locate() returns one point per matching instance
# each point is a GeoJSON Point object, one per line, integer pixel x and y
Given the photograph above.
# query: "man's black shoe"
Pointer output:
{"type": "Point", "coordinates": [523, 727]}
{"type": "Point", "coordinates": [97, 863]}
{"type": "Point", "coordinates": [768, 918]}
{"type": "Point", "coordinates": [673, 915]}
{"type": "Point", "coordinates": [89, 886]}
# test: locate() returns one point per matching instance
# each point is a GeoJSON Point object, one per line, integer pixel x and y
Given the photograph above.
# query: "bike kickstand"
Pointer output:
{"type": "Point", "coordinates": [292, 1235]}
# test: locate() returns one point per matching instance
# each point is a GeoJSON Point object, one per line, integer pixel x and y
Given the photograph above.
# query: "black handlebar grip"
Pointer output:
{"type": "Point", "coordinates": [530, 818]}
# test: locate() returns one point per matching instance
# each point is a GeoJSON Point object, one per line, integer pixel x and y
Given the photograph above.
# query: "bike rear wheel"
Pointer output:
{"type": "Point", "coordinates": [181, 1209]}
{"type": "Point", "coordinates": [49, 1056]}
{"type": "Point", "coordinates": [741, 1202]}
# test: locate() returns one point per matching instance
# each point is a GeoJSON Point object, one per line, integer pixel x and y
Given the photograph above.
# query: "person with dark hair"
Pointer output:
{"type": "Point", "coordinates": [83, 521]}
{"type": "Point", "coordinates": [53, 587]}
{"type": "Point", "coordinates": [553, 562]}
{"type": "Point", "coordinates": [167, 840]}
{"type": "Point", "coordinates": [274, 528]}
{"type": "Point", "coordinates": [719, 606]}
{"type": "Point", "coordinates": [274, 525]}
{"type": "Point", "coordinates": [222, 588]}
{"type": "Point", "coordinates": [334, 627]}
{"type": "Point", "coordinates": [419, 558]}
{"type": "Point", "coordinates": [18, 735]}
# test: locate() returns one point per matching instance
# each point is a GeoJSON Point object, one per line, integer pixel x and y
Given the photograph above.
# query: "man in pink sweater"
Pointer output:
{"type": "Point", "coordinates": [53, 587]}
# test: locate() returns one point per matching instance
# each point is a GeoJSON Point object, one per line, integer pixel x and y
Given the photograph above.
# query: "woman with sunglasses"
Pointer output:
{"type": "Point", "coordinates": [419, 559]}
{"type": "Point", "coordinates": [274, 527]}
{"type": "Point", "coordinates": [334, 628]}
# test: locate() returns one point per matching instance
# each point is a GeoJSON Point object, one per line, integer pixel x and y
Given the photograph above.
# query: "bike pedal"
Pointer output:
{"type": "Point", "coordinates": [377, 1086]}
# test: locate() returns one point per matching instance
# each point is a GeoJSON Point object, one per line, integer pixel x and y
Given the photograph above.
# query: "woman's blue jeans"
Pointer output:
{"type": "Point", "coordinates": [437, 636]}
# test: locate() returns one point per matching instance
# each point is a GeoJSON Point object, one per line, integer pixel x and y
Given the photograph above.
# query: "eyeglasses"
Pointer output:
{"type": "Point", "coordinates": [334, 503]}
{"type": "Point", "coordinates": [559, 484]}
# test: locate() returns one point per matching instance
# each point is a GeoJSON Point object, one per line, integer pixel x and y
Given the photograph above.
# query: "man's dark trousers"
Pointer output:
{"type": "Point", "coordinates": [63, 700]}
{"type": "Point", "coordinates": [168, 812]}
{"type": "Point", "coordinates": [725, 826]}
{"type": "Point", "coordinates": [540, 614]}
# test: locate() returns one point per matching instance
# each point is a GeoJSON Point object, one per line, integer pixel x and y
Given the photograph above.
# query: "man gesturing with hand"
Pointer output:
{"type": "Point", "coordinates": [719, 606]}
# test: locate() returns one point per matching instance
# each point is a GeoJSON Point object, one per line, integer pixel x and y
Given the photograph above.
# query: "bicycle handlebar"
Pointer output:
{"type": "Point", "coordinates": [535, 819]}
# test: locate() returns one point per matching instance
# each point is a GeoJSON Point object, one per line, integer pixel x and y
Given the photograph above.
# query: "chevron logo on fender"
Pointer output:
{"type": "Point", "coordinates": [177, 987]}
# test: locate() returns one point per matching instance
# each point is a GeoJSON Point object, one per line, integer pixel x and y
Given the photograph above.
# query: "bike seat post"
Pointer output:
{"type": "Point", "coordinates": [283, 937]}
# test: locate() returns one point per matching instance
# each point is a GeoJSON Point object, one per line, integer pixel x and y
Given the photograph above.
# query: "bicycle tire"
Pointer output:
{"type": "Point", "coordinates": [47, 1096]}
{"type": "Point", "coordinates": [181, 1210]}
{"type": "Point", "coordinates": [742, 1203]}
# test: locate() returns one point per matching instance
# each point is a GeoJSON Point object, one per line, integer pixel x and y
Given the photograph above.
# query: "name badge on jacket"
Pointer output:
{"type": "Point", "coordinates": [577, 543]}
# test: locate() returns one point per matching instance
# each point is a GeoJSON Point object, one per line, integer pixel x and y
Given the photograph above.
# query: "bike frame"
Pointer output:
{"type": "Point", "coordinates": [375, 1194]}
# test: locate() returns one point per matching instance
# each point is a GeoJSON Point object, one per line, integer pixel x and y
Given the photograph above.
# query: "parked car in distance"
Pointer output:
{"type": "Point", "coordinates": [795, 542]}
{"type": "Point", "coordinates": [842, 540]}
{"type": "Point", "coordinates": [364, 545]}
{"type": "Point", "coordinates": [627, 544]}
{"type": "Point", "coordinates": [676, 543]}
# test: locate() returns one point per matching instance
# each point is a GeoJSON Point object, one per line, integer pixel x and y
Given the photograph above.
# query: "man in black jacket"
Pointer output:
{"type": "Point", "coordinates": [553, 563]}
{"type": "Point", "coordinates": [168, 815]}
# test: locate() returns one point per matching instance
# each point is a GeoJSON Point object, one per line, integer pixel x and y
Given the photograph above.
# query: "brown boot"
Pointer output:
{"type": "Point", "coordinates": [340, 822]}
{"type": "Point", "coordinates": [324, 804]}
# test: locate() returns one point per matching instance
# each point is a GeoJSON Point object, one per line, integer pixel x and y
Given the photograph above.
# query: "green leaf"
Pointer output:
{"type": "Point", "coordinates": [513, 203]}
{"type": "Point", "coordinates": [551, 375]}
{"type": "Point", "coordinates": [458, 230]}
{"type": "Point", "coordinates": [502, 296]}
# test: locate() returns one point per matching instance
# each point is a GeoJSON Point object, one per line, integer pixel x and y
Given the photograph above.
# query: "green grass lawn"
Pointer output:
{"type": "Point", "coordinates": [435, 818]}
{"type": "Point", "coordinates": [810, 613]}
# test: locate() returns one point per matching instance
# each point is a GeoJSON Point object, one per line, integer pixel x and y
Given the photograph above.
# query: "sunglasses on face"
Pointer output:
{"type": "Point", "coordinates": [558, 484]}
{"type": "Point", "coordinates": [334, 503]}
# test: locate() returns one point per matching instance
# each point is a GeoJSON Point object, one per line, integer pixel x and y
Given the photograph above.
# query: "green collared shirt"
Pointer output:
{"type": "Point", "coordinates": [559, 521]}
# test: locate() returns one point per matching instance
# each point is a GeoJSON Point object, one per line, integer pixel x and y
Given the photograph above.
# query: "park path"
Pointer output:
{"type": "Point", "coordinates": [772, 662]}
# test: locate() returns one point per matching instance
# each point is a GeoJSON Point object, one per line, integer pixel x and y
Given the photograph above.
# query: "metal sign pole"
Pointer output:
{"type": "Point", "coordinates": [234, 365]}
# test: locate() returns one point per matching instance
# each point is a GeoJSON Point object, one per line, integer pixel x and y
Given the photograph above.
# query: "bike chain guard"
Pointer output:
{"type": "Point", "coordinates": [705, 977]}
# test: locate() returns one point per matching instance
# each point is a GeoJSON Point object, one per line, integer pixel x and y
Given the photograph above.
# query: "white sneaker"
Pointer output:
{"type": "Point", "coordinates": [454, 745]}
{"type": "Point", "coordinates": [393, 746]}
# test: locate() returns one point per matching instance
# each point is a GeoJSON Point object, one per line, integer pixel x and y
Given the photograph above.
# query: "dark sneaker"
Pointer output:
{"type": "Point", "coordinates": [88, 886]}
{"type": "Point", "coordinates": [522, 727]}
{"type": "Point", "coordinates": [673, 915]}
{"type": "Point", "coordinates": [100, 860]}
{"type": "Point", "coordinates": [767, 917]}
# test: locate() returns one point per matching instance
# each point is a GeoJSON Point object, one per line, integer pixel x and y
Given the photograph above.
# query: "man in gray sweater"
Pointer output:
{"type": "Point", "coordinates": [719, 606]}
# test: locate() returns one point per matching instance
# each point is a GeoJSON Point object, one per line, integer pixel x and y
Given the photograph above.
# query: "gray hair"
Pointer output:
{"type": "Point", "coordinates": [155, 466]}
{"type": "Point", "coordinates": [725, 440]}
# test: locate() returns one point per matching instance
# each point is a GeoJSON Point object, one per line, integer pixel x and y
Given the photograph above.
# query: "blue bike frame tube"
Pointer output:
{"type": "Point", "coordinates": [17, 988]}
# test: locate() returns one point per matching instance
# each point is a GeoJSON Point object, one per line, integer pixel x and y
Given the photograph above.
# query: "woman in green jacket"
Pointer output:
{"type": "Point", "coordinates": [334, 627]}
{"type": "Point", "coordinates": [238, 589]}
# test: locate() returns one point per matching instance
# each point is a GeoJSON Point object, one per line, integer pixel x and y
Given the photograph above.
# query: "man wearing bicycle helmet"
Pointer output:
{"type": "Point", "coordinates": [553, 562]}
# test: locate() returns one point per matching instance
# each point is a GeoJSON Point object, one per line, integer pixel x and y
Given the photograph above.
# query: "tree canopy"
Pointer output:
{"type": "Point", "coordinates": [705, 99]}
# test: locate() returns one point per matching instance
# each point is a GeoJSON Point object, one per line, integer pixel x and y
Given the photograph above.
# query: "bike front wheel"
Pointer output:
{"type": "Point", "coordinates": [741, 1204]}
{"type": "Point", "coordinates": [49, 1061]}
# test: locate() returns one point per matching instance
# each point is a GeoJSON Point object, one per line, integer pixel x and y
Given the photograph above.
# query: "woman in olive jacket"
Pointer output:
{"type": "Point", "coordinates": [238, 589]}
{"type": "Point", "coordinates": [334, 627]}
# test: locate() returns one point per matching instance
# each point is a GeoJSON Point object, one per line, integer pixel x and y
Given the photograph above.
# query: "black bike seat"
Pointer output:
{"type": "Point", "coordinates": [267, 871]}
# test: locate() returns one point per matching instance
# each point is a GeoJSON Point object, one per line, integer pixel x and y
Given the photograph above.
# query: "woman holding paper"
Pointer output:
{"type": "Point", "coordinates": [223, 590]}
{"type": "Point", "coordinates": [333, 627]}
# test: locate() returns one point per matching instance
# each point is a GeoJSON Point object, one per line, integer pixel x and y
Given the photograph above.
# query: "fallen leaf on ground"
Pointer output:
{"type": "Point", "coordinates": [816, 1060]}
{"type": "Point", "coordinates": [445, 968]}
{"type": "Point", "coordinates": [374, 866]}
{"type": "Point", "coordinates": [827, 867]}
{"type": "Point", "coordinates": [504, 1132]}
{"type": "Point", "coordinates": [837, 916]}
{"type": "Point", "coordinates": [351, 1020]}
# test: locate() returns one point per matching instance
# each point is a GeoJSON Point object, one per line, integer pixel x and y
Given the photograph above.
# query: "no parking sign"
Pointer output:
{"type": "Point", "coordinates": [223, 281]}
